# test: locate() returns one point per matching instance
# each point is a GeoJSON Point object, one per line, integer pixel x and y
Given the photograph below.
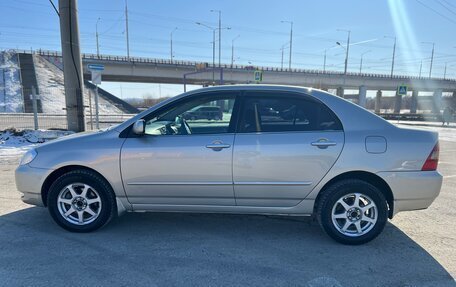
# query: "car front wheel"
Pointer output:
{"type": "Point", "coordinates": [81, 201]}
{"type": "Point", "coordinates": [352, 211]}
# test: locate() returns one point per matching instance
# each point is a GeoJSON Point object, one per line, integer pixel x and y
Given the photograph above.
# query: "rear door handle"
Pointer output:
{"type": "Point", "coordinates": [323, 144]}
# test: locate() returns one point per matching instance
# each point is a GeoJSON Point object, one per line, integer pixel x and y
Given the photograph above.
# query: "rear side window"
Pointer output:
{"type": "Point", "coordinates": [267, 112]}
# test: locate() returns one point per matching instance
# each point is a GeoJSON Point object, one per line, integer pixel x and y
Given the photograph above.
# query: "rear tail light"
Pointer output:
{"type": "Point", "coordinates": [432, 160]}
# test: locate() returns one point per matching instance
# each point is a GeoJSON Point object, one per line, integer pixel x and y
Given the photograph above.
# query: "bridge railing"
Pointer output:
{"type": "Point", "coordinates": [92, 56]}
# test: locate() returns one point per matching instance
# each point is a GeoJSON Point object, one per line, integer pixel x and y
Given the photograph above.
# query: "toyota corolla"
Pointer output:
{"type": "Point", "coordinates": [274, 150]}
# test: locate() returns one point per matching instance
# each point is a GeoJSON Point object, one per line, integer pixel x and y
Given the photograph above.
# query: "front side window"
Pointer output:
{"type": "Point", "coordinates": [281, 113]}
{"type": "Point", "coordinates": [200, 115]}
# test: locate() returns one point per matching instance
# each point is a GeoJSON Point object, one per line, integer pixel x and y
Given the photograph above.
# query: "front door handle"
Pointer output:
{"type": "Point", "coordinates": [323, 143]}
{"type": "Point", "coordinates": [218, 146]}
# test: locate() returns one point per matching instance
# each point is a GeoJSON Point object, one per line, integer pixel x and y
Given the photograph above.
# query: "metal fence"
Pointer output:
{"type": "Point", "coordinates": [23, 121]}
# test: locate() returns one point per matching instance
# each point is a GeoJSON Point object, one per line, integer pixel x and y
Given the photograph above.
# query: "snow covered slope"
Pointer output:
{"type": "Point", "coordinates": [10, 83]}
{"type": "Point", "coordinates": [52, 91]}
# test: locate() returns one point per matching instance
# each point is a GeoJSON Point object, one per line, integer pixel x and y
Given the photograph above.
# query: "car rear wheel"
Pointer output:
{"type": "Point", "coordinates": [352, 211]}
{"type": "Point", "coordinates": [81, 201]}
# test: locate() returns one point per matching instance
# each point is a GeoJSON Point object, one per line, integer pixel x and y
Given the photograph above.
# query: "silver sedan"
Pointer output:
{"type": "Point", "coordinates": [272, 150]}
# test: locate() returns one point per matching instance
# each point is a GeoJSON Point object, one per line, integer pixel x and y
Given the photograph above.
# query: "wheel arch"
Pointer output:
{"type": "Point", "coordinates": [369, 177]}
{"type": "Point", "coordinates": [61, 171]}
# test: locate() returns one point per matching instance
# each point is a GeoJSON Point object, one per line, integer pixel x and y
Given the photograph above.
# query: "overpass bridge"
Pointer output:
{"type": "Point", "coordinates": [150, 70]}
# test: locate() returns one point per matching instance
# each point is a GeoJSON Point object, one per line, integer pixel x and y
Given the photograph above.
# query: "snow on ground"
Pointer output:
{"type": "Point", "coordinates": [10, 86]}
{"type": "Point", "coordinates": [52, 92]}
{"type": "Point", "coordinates": [13, 143]}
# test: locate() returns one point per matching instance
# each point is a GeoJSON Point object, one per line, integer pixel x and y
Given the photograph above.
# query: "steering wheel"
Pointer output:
{"type": "Point", "coordinates": [184, 127]}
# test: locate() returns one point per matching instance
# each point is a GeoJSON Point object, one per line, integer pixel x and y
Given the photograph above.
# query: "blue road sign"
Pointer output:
{"type": "Point", "coordinates": [402, 90]}
{"type": "Point", "coordinates": [95, 67]}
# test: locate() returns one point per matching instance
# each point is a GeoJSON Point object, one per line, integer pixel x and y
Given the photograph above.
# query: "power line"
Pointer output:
{"type": "Point", "coordinates": [437, 12]}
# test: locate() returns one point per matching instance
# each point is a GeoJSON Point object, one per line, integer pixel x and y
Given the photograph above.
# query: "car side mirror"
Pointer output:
{"type": "Point", "coordinates": [139, 127]}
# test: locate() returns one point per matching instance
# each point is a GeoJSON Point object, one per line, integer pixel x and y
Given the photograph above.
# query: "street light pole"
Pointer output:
{"type": "Point", "coordinates": [96, 33]}
{"type": "Point", "coordinates": [171, 37]}
{"type": "Point", "coordinates": [346, 49]}
{"type": "Point", "coordinates": [213, 46]}
{"type": "Point", "coordinates": [126, 30]}
{"type": "Point", "coordinates": [291, 41]}
{"type": "Point", "coordinates": [220, 35]}
{"type": "Point", "coordinates": [213, 42]}
{"type": "Point", "coordinates": [432, 56]}
{"type": "Point", "coordinates": [361, 63]}
{"type": "Point", "coordinates": [394, 53]}
{"type": "Point", "coordinates": [232, 49]}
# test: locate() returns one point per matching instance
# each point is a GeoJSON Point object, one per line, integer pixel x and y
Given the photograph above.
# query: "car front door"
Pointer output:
{"type": "Point", "coordinates": [285, 145]}
{"type": "Point", "coordinates": [180, 161]}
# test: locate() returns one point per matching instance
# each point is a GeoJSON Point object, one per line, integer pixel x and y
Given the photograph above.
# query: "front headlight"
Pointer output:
{"type": "Point", "coordinates": [28, 157]}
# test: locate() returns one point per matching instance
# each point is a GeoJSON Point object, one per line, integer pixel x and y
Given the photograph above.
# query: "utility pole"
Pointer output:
{"type": "Point", "coordinates": [432, 60]}
{"type": "Point", "coordinates": [172, 55]}
{"type": "Point", "coordinates": [421, 67]}
{"type": "Point", "coordinates": [394, 53]}
{"type": "Point", "coordinates": [96, 30]}
{"type": "Point", "coordinates": [361, 63]}
{"type": "Point", "coordinates": [220, 36]}
{"type": "Point", "coordinates": [69, 33]}
{"type": "Point", "coordinates": [281, 62]}
{"type": "Point", "coordinates": [232, 49]}
{"type": "Point", "coordinates": [324, 62]}
{"type": "Point", "coordinates": [291, 41]}
{"type": "Point", "coordinates": [444, 72]}
{"type": "Point", "coordinates": [213, 55]}
{"type": "Point", "coordinates": [346, 49]}
{"type": "Point", "coordinates": [432, 56]}
{"type": "Point", "coordinates": [126, 30]}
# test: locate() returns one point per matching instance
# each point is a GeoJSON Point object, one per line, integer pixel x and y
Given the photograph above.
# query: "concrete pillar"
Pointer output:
{"type": "Point", "coordinates": [437, 101]}
{"type": "Point", "coordinates": [414, 102]}
{"type": "Point", "coordinates": [397, 103]}
{"type": "Point", "coordinates": [378, 101]}
{"type": "Point", "coordinates": [362, 96]}
{"type": "Point", "coordinates": [72, 63]}
{"type": "Point", "coordinates": [340, 92]}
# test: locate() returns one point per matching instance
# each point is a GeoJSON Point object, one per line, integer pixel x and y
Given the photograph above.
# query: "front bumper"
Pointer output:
{"type": "Point", "coordinates": [29, 181]}
{"type": "Point", "coordinates": [413, 190]}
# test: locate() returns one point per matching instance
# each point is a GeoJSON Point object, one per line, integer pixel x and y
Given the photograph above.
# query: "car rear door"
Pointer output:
{"type": "Point", "coordinates": [284, 146]}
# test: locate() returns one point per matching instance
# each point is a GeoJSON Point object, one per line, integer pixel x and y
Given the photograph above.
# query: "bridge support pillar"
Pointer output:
{"type": "Point", "coordinates": [437, 101]}
{"type": "Point", "coordinates": [414, 102]}
{"type": "Point", "coordinates": [362, 96]}
{"type": "Point", "coordinates": [378, 101]}
{"type": "Point", "coordinates": [397, 103]}
{"type": "Point", "coordinates": [340, 92]}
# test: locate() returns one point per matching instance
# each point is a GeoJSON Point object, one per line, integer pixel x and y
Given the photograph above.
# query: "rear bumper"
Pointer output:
{"type": "Point", "coordinates": [29, 181]}
{"type": "Point", "coordinates": [413, 190]}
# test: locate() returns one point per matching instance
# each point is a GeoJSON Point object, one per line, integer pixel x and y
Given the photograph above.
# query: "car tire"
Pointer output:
{"type": "Point", "coordinates": [81, 201]}
{"type": "Point", "coordinates": [352, 211]}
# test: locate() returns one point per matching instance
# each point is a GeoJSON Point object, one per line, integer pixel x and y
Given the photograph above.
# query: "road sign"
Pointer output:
{"type": "Point", "coordinates": [258, 76]}
{"type": "Point", "coordinates": [96, 77]}
{"type": "Point", "coordinates": [402, 90]}
{"type": "Point", "coordinates": [95, 67]}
